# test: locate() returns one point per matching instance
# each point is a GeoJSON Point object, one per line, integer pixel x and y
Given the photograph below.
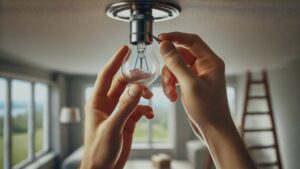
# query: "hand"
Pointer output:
{"type": "Point", "coordinates": [201, 76]}
{"type": "Point", "coordinates": [110, 117]}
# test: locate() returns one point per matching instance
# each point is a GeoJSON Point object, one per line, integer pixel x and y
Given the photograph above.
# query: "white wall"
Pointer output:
{"type": "Point", "coordinates": [285, 93]}
{"type": "Point", "coordinates": [75, 98]}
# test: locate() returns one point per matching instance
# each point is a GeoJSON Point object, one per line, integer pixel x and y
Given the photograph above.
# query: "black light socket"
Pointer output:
{"type": "Point", "coordinates": [141, 24]}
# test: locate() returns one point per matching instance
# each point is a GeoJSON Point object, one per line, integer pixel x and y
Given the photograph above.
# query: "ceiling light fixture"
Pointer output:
{"type": "Point", "coordinates": [143, 67]}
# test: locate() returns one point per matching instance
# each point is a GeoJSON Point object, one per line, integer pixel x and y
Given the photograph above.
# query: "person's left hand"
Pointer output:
{"type": "Point", "coordinates": [110, 117]}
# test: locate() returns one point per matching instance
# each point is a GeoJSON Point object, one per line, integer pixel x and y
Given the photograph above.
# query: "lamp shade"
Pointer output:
{"type": "Point", "coordinates": [69, 115]}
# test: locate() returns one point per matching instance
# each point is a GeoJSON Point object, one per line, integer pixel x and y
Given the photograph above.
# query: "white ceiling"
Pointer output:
{"type": "Point", "coordinates": [75, 36]}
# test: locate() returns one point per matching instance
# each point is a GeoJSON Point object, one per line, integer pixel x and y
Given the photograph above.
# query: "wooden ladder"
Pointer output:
{"type": "Point", "coordinates": [259, 114]}
{"type": "Point", "coordinates": [248, 114]}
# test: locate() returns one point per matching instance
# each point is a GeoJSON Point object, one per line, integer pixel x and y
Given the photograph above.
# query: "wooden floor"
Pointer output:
{"type": "Point", "coordinates": [146, 164]}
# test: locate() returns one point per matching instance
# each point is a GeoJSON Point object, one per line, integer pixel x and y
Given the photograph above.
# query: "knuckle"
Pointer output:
{"type": "Point", "coordinates": [173, 61]}
{"type": "Point", "coordinates": [121, 80]}
{"type": "Point", "coordinates": [220, 65]}
{"type": "Point", "coordinates": [101, 74]}
{"type": "Point", "coordinates": [125, 103]}
{"type": "Point", "coordinates": [195, 38]}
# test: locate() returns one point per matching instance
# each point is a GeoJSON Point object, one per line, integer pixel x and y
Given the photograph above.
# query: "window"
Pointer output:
{"type": "Point", "coordinates": [87, 92]}
{"type": "Point", "coordinates": [231, 99]}
{"type": "Point", "coordinates": [2, 114]}
{"type": "Point", "coordinates": [156, 131]}
{"type": "Point", "coordinates": [141, 130]}
{"type": "Point", "coordinates": [21, 93]}
{"type": "Point", "coordinates": [41, 96]}
{"type": "Point", "coordinates": [29, 121]}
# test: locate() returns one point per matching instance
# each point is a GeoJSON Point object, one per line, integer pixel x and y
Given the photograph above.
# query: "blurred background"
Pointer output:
{"type": "Point", "coordinates": [51, 52]}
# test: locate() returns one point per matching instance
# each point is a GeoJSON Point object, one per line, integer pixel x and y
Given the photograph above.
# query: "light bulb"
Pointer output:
{"type": "Point", "coordinates": [142, 65]}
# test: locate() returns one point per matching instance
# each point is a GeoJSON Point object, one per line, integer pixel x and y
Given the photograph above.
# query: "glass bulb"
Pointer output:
{"type": "Point", "coordinates": [141, 65]}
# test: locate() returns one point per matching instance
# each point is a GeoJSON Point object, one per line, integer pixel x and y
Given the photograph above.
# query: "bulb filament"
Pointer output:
{"type": "Point", "coordinates": [141, 49]}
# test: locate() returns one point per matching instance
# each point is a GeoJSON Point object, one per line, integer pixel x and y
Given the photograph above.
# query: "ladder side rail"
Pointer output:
{"type": "Point", "coordinates": [245, 104]}
{"type": "Point", "coordinates": [269, 103]}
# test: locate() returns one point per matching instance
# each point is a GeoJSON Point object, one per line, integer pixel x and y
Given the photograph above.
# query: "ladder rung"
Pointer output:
{"type": "Point", "coordinates": [257, 97]}
{"type": "Point", "coordinates": [267, 164]}
{"type": "Point", "coordinates": [261, 147]}
{"type": "Point", "coordinates": [258, 130]}
{"type": "Point", "coordinates": [257, 113]}
{"type": "Point", "coordinates": [257, 81]}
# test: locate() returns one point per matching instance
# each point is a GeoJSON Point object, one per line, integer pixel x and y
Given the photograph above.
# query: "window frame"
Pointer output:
{"type": "Point", "coordinates": [7, 133]}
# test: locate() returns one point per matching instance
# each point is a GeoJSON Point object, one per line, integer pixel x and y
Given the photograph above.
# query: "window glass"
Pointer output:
{"type": "Point", "coordinates": [41, 109]}
{"type": "Point", "coordinates": [88, 92]}
{"type": "Point", "coordinates": [155, 130]}
{"type": "Point", "coordinates": [162, 108]}
{"type": "Point", "coordinates": [3, 87]}
{"type": "Point", "coordinates": [231, 99]}
{"type": "Point", "coordinates": [141, 132]}
{"type": "Point", "coordinates": [21, 97]}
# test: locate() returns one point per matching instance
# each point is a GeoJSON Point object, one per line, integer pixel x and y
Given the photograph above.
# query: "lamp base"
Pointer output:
{"type": "Point", "coordinates": [161, 10]}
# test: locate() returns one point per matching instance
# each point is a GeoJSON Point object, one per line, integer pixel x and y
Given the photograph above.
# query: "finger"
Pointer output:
{"type": "Point", "coordinates": [142, 110]}
{"type": "Point", "coordinates": [147, 94]}
{"type": "Point", "coordinates": [187, 56]}
{"type": "Point", "coordinates": [118, 86]}
{"type": "Point", "coordinates": [127, 104]}
{"type": "Point", "coordinates": [136, 116]}
{"type": "Point", "coordinates": [168, 77]}
{"type": "Point", "coordinates": [191, 41]}
{"type": "Point", "coordinates": [104, 79]}
{"type": "Point", "coordinates": [175, 63]}
{"type": "Point", "coordinates": [169, 84]}
{"type": "Point", "coordinates": [171, 93]}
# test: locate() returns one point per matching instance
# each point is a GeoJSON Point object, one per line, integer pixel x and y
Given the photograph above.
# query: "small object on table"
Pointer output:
{"type": "Point", "coordinates": [161, 161]}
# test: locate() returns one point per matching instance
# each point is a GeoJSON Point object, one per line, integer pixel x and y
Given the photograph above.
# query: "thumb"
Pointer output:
{"type": "Point", "coordinates": [175, 62]}
{"type": "Point", "coordinates": [127, 104]}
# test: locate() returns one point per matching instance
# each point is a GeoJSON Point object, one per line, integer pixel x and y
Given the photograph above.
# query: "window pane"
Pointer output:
{"type": "Point", "coordinates": [21, 92]}
{"type": "Point", "coordinates": [41, 106]}
{"type": "Point", "coordinates": [2, 113]}
{"type": "Point", "coordinates": [88, 92]}
{"type": "Point", "coordinates": [231, 99]}
{"type": "Point", "coordinates": [141, 131]}
{"type": "Point", "coordinates": [162, 108]}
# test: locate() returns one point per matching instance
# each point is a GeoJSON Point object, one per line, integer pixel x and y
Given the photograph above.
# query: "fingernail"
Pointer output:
{"type": "Point", "coordinates": [134, 90]}
{"type": "Point", "coordinates": [166, 47]}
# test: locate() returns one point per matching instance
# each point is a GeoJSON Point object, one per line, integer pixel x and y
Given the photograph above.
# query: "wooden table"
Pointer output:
{"type": "Point", "coordinates": [146, 164]}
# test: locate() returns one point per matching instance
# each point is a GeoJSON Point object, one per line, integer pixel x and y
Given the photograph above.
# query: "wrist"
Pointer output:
{"type": "Point", "coordinates": [223, 139]}
{"type": "Point", "coordinates": [90, 164]}
{"type": "Point", "coordinates": [222, 123]}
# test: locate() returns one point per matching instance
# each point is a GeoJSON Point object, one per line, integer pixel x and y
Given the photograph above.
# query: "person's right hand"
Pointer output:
{"type": "Point", "coordinates": [201, 76]}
